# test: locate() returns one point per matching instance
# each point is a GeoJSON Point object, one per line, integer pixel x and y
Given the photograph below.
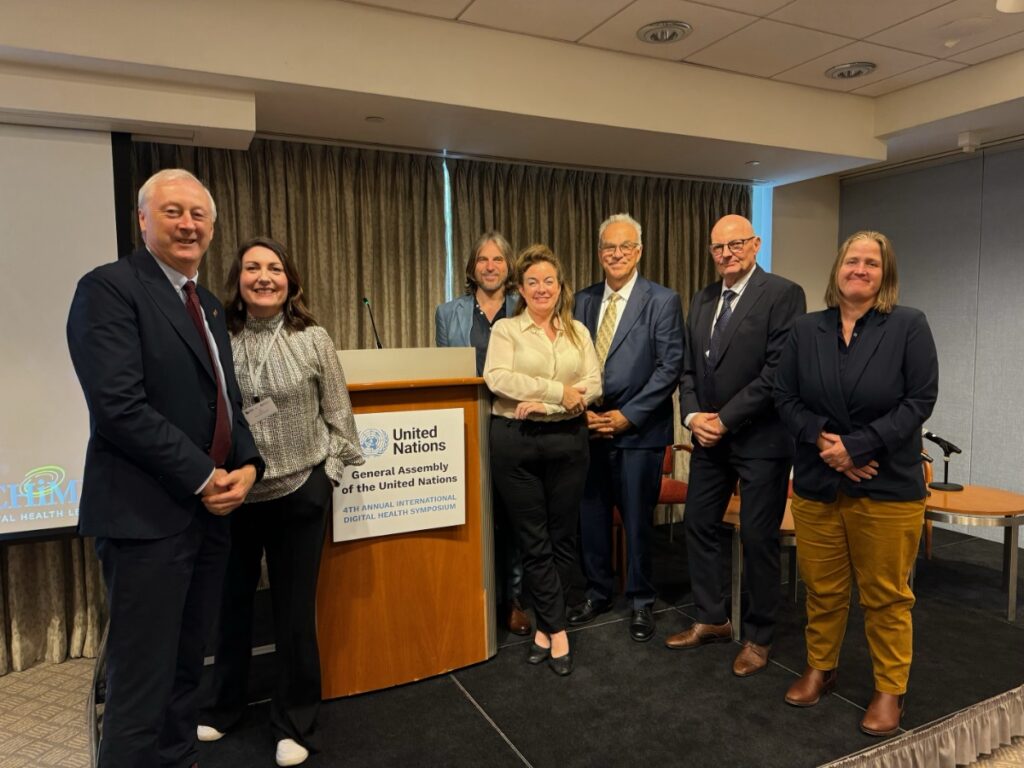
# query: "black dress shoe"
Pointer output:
{"type": "Point", "coordinates": [537, 654]}
{"type": "Point", "coordinates": [561, 665]}
{"type": "Point", "coordinates": [641, 626]}
{"type": "Point", "coordinates": [587, 611]}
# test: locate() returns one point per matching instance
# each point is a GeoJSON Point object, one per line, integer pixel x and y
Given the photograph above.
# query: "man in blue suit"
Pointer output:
{"type": "Point", "coordinates": [169, 456]}
{"type": "Point", "coordinates": [637, 327]}
{"type": "Point", "coordinates": [466, 322]}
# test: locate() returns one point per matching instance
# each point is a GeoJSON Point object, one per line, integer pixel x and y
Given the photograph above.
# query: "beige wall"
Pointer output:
{"type": "Point", "coordinates": [805, 234]}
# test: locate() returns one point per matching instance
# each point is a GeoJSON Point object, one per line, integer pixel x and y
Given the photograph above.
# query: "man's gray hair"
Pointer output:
{"type": "Point", "coordinates": [622, 217]}
{"type": "Point", "coordinates": [168, 175]}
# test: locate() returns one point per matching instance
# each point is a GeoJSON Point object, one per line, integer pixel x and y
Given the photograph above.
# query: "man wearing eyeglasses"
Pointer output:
{"type": "Point", "coordinates": [637, 327]}
{"type": "Point", "coordinates": [736, 330]}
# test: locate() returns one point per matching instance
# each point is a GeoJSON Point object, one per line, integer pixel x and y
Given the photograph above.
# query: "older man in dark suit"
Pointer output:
{"type": "Point", "coordinates": [736, 331]}
{"type": "Point", "coordinates": [637, 328]}
{"type": "Point", "coordinates": [169, 456]}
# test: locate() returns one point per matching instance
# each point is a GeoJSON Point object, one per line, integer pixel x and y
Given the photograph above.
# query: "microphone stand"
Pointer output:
{"type": "Point", "coordinates": [945, 485]}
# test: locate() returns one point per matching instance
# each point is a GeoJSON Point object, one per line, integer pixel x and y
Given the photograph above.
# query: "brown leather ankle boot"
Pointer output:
{"type": "Point", "coordinates": [884, 714]}
{"type": "Point", "coordinates": [811, 686]}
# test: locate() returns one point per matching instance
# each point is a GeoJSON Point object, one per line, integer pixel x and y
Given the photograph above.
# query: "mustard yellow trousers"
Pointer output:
{"type": "Point", "coordinates": [876, 542]}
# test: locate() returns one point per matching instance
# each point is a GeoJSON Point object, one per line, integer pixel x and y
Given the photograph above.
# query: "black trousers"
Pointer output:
{"type": "Point", "coordinates": [763, 485]}
{"type": "Point", "coordinates": [539, 470]}
{"type": "Point", "coordinates": [163, 596]}
{"type": "Point", "coordinates": [629, 479]}
{"type": "Point", "coordinates": [291, 531]}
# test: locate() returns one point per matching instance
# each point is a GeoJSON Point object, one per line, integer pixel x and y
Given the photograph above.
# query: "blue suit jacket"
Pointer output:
{"type": "Point", "coordinates": [644, 360]}
{"type": "Point", "coordinates": [453, 320]}
{"type": "Point", "coordinates": [151, 393]}
{"type": "Point", "coordinates": [892, 380]}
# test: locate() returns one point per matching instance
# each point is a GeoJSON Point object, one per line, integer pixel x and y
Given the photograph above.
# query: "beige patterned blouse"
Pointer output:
{"type": "Point", "coordinates": [314, 421]}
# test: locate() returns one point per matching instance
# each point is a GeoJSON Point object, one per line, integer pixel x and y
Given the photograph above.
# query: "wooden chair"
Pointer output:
{"type": "Point", "coordinates": [672, 492]}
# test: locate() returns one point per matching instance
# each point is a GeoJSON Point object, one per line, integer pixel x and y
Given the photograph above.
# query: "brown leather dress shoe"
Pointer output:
{"type": "Point", "coordinates": [811, 686]}
{"type": "Point", "coordinates": [700, 634]}
{"type": "Point", "coordinates": [518, 621]}
{"type": "Point", "coordinates": [884, 714]}
{"type": "Point", "coordinates": [751, 659]}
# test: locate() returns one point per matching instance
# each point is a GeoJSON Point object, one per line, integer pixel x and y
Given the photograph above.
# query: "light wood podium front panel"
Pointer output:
{"type": "Point", "coordinates": [394, 609]}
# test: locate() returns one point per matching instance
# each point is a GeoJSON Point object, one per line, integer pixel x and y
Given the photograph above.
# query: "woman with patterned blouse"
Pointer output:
{"type": "Point", "coordinates": [298, 408]}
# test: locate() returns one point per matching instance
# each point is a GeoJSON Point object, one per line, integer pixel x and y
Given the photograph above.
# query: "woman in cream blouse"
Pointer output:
{"type": "Point", "coordinates": [543, 371]}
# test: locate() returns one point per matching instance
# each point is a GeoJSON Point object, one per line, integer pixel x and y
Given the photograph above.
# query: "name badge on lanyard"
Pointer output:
{"type": "Point", "coordinates": [263, 408]}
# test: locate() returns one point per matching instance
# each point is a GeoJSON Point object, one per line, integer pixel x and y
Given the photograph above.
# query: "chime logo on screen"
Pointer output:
{"type": "Point", "coordinates": [41, 487]}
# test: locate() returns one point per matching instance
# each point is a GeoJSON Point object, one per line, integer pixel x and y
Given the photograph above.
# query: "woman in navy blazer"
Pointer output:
{"type": "Point", "coordinates": [854, 385]}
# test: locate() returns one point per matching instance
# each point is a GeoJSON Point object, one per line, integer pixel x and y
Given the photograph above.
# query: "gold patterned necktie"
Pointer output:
{"type": "Point", "coordinates": [607, 329]}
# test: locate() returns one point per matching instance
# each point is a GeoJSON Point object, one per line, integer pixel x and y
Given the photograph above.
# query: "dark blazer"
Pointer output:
{"type": "Point", "coordinates": [151, 394]}
{"type": "Point", "coordinates": [749, 353]}
{"type": "Point", "coordinates": [644, 360]}
{"type": "Point", "coordinates": [891, 379]}
{"type": "Point", "coordinates": [453, 320]}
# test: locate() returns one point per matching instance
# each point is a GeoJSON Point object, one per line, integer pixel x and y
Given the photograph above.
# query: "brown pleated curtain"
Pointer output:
{"type": "Point", "coordinates": [367, 223]}
{"type": "Point", "coordinates": [564, 208]}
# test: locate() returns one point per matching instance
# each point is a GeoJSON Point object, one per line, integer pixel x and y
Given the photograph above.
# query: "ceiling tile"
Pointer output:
{"type": "Point", "coordinates": [709, 24]}
{"type": "Point", "coordinates": [446, 9]}
{"type": "Point", "coordinates": [1010, 44]}
{"type": "Point", "coordinates": [564, 20]}
{"type": "Point", "coordinates": [853, 19]}
{"type": "Point", "coordinates": [766, 48]}
{"type": "Point", "coordinates": [956, 26]}
{"type": "Point", "coordinates": [908, 78]}
{"type": "Point", "coordinates": [753, 7]}
{"type": "Point", "coordinates": [889, 62]}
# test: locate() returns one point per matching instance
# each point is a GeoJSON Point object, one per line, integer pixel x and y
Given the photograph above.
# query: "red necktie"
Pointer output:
{"type": "Point", "coordinates": [221, 445]}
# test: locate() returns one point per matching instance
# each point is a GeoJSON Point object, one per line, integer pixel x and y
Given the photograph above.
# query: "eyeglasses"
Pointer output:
{"type": "Point", "coordinates": [734, 246]}
{"type": "Point", "coordinates": [627, 249]}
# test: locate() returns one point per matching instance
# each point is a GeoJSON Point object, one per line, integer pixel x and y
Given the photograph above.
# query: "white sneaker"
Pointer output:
{"type": "Point", "coordinates": [290, 752]}
{"type": "Point", "coordinates": [208, 733]}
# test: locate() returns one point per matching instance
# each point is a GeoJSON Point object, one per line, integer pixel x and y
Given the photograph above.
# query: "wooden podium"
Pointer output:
{"type": "Point", "coordinates": [394, 609]}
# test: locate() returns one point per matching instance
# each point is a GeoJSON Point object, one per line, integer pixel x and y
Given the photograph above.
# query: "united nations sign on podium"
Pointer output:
{"type": "Point", "coordinates": [414, 477]}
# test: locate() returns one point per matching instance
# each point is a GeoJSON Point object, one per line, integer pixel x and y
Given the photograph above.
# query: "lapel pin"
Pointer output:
{"type": "Point", "coordinates": [216, 312]}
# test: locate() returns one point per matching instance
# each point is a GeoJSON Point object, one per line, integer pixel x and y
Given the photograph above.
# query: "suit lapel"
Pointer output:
{"type": "Point", "coordinates": [156, 284]}
{"type": "Point", "coordinates": [464, 317]}
{"type": "Point", "coordinates": [706, 316]}
{"type": "Point", "coordinates": [592, 310]}
{"type": "Point", "coordinates": [870, 337]}
{"type": "Point", "coordinates": [751, 295]}
{"type": "Point", "coordinates": [828, 365]}
{"type": "Point", "coordinates": [638, 299]}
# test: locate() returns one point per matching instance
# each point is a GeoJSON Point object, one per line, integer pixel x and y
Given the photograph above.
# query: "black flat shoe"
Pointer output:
{"type": "Point", "coordinates": [537, 654]}
{"type": "Point", "coordinates": [562, 665]}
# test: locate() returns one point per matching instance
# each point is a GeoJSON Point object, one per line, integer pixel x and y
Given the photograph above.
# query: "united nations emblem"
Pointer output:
{"type": "Point", "coordinates": [373, 441]}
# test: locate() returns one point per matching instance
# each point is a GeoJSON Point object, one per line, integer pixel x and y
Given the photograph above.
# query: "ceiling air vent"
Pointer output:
{"type": "Point", "coordinates": [850, 71]}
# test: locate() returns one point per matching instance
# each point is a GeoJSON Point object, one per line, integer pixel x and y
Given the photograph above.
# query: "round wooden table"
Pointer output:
{"type": "Point", "coordinates": [986, 507]}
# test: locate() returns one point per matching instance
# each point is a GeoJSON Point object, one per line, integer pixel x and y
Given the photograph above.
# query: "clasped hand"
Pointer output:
{"type": "Point", "coordinates": [833, 452]}
{"type": "Point", "coordinates": [707, 428]}
{"type": "Point", "coordinates": [227, 490]}
{"type": "Point", "coordinates": [607, 424]}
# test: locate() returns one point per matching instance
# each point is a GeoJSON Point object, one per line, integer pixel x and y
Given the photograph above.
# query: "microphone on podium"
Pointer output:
{"type": "Point", "coordinates": [376, 336]}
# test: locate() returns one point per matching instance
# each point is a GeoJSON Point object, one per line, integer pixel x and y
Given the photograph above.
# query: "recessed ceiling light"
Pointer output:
{"type": "Point", "coordinates": [659, 32]}
{"type": "Point", "coordinates": [374, 119]}
{"type": "Point", "coordinates": [1010, 6]}
{"type": "Point", "coordinates": [753, 163]}
{"type": "Point", "coordinates": [850, 71]}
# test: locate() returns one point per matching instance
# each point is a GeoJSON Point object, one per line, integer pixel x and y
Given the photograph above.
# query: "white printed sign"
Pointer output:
{"type": "Point", "coordinates": [414, 477]}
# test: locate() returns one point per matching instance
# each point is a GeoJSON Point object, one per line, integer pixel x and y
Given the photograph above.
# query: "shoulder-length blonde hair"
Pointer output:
{"type": "Point", "coordinates": [888, 292]}
{"type": "Point", "coordinates": [535, 254]}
